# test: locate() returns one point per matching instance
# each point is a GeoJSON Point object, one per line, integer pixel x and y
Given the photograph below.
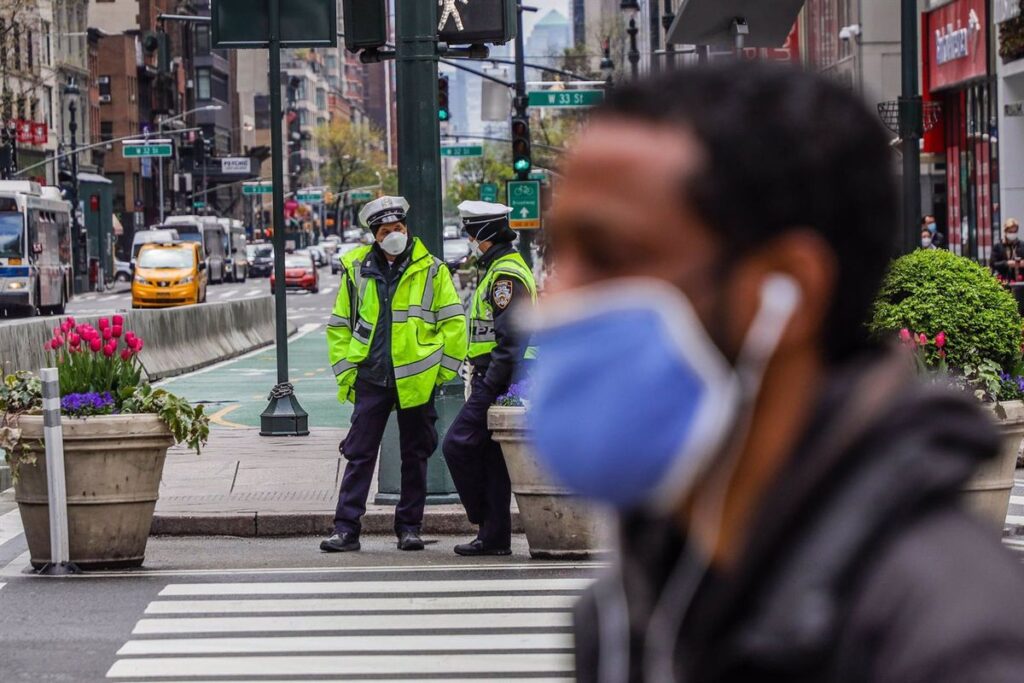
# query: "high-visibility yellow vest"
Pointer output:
{"type": "Point", "coordinates": [428, 326]}
{"type": "Point", "coordinates": [481, 323]}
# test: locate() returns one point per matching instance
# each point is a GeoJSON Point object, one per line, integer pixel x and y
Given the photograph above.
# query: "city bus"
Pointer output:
{"type": "Point", "coordinates": [207, 232]}
{"type": "Point", "coordinates": [36, 274]}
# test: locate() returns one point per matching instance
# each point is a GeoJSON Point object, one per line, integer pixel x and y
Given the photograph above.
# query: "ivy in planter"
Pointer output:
{"type": "Point", "coordinates": [1011, 38]}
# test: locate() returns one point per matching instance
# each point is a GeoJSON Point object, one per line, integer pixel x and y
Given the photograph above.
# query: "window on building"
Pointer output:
{"type": "Point", "coordinates": [202, 84]}
{"type": "Point", "coordinates": [103, 82]}
{"type": "Point", "coordinates": [321, 99]}
{"type": "Point", "coordinates": [106, 131]}
{"type": "Point", "coordinates": [3, 44]}
{"type": "Point", "coordinates": [48, 105]}
{"type": "Point", "coordinates": [16, 39]}
{"type": "Point", "coordinates": [202, 39]}
{"type": "Point", "coordinates": [219, 88]}
{"type": "Point", "coordinates": [46, 56]}
{"type": "Point", "coordinates": [31, 52]}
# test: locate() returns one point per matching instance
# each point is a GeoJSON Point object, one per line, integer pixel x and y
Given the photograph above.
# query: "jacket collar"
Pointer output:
{"type": "Point", "coordinates": [495, 253]}
{"type": "Point", "coordinates": [418, 259]}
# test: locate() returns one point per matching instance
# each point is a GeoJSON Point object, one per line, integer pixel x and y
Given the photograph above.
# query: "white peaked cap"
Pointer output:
{"type": "Point", "coordinates": [475, 211]}
{"type": "Point", "coordinates": [383, 210]}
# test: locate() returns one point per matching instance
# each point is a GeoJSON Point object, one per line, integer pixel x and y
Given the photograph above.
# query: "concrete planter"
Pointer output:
{"type": "Point", "coordinates": [557, 523]}
{"type": "Point", "coordinates": [988, 491]}
{"type": "Point", "coordinates": [113, 466]}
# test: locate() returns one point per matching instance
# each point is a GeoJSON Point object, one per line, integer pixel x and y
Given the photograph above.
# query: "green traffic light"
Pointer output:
{"type": "Point", "coordinates": [521, 165]}
{"type": "Point", "coordinates": [443, 115]}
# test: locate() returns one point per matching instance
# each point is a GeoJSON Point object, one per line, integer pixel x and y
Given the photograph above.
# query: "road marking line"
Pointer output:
{"type": "Point", "coordinates": [2, 585]}
{"type": "Point", "coordinates": [10, 526]}
{"type": "Point", "coordinates": [372, 587]}
{"type": "Point", "coordinates": [254, 292]}
{"type": "Point", "coordinates": [227, 294]}
{"type": "Point", "coordinates": [353, 622]}
{"type": "Point", "coordinates": [17, 565]}
{"type": "Point", "coordinates": [218, 417]}
{"type": "Point", "coordinates": [341, 605]}
{"type": "Point", "coordinates": [1016, 500]}
{"type": "Point", "coordinates": [1015, 520]}
{"type": "Point", "coordinates": [327, 290]}
{"type": "Point", "coordinates": [511, 663]}
{"type": "Point", "coordinates": [371, 643]}
{"type": "Point", "coordinates": [403, 679]}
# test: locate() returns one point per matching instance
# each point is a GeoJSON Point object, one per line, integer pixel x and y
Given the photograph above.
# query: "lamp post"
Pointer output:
{"type": "Point", "coordinates": [666, 21]}
{"type": "Point", "coordinates": [71, 96]}
{"type": "Point", "coordinates": [160, 130]}
{"type": "Point", "coordinates": [631, 8]}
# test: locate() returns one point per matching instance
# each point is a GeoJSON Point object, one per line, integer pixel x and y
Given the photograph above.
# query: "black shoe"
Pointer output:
{"type": "Point", "coordinates": [476, 548]}
{"type": "Point", "coordinates": [410, 540]}
{"type": "Point", "coordinates": [341, 543]}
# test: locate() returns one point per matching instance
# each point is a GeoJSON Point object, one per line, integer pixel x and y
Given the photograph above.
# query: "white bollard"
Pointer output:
{"type": "Point", "coordinates": [53, 437]}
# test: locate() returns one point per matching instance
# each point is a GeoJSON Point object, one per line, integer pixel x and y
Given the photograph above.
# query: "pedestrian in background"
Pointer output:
{"type": "Point", "coordinates": [788, 492]}
{"type": "Point", "coordinates": [938, 239]}
{"type": "Point", "coordinates": [398, 331]}
{"type": "Point", "coordinates": [1008, 253]}
{"type": "Point", "coordinates": [927, 241]}
{"type": "Point", "coordinates": [497, 348]}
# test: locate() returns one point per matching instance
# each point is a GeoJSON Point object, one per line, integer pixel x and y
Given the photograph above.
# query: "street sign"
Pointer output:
{"type": "Point", "coordinates": [565, 99]}
{"type": "Point", "coordinates": [134, 149]}
{"type": "Point", "coordinates": [235, 165]}
{"type": "Point", "coordinates": [524, 198]}
{"type": "Point", "coordinates": [360, 196]}
{"type": "Point", "coordinates": [468, 22]}
{"type": "Point", "coordinates": [309, 196]}
{"type": "Point", "coordinates": [488, 192]}
{"type": "Point", "coordinates": [198, 205]}
{"type": "Point", "coordinates": [304, 23]}
{"type": "Point", "coordinates": [257, 188]}
{"type": "Point", "coordinates": [462, 151]}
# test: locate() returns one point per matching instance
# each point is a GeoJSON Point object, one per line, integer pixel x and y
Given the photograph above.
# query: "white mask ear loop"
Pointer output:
{"type": "Point", "coordinates": [780, 297]}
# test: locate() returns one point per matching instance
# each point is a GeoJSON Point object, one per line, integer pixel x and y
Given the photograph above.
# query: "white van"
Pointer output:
{"type": "Point", "coordinates": [149, 236]}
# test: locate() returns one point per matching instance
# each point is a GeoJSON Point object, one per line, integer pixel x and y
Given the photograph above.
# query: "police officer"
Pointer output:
{"type": "Point", "coordinates": [398, 330]}
{"type": "Point", "coordinates": [497, 349]}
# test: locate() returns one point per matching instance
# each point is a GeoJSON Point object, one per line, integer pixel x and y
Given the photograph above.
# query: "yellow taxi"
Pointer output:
{"type": "Point", "coordinates": [170, 274]}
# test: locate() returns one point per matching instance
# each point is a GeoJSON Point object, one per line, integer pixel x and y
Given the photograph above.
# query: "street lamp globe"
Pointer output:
{"type": "Point", "coordinates": [630, 8]}
{"type": "Point", "coordinates": [71, 94]}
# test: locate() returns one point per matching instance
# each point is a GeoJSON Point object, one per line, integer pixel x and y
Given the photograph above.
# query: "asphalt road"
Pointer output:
{"type": "Point", "coordinates": [303, 307]}
{"type": "Point", "coordinates": [293, 615]}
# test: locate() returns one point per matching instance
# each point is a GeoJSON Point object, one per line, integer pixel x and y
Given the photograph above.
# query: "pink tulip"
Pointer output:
{"type": "Point", "coordinates": [71, 321]}
{"type": "Point", "coordinates": [126, 354]}
{"type": "Point", "coordinates": [108, 333]}
{"type": "Point", "coordinates": [65, 327]}
{"type": "Point", "coordinates": [104, 323]}
{"type": "Point", "coordinates": [138, 345]}
{"type": "Point", "coordinates": [905, 335]}
{"type": "Point", "coordinates": [75, 339]}
{"type": "Point", "coordinates": [117, 330]}
{"type": "Point", "coordinates": [940, 339]}
{"type": "Point", "coordinates": [118, 320]}
{"type": "Point", "coordinates": [108, 351]}
{"type": "Point", "coordinates": [922, 339]}
{"type": "Point", "coordinates": [95, 344]}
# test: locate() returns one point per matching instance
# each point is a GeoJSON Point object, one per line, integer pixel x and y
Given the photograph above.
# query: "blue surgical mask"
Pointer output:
{"type": "Point", "coordinates": [932, 228]}
{"type": "Point", "coordinates": [631, 399]}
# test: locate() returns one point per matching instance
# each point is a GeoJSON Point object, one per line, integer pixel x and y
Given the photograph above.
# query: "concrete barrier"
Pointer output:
{"type": "Point", "coordinates": [177, 340]}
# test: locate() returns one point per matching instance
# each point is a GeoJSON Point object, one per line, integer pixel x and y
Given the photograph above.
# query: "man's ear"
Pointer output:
{"type": "Point", "coordinates": [808, 259]}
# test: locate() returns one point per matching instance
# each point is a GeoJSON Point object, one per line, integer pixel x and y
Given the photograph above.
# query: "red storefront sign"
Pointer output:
{"type": "Point", "coordinates": [40, 133]}
{"type": "Point", "coordinates": [956, 43]}
{"type": "Point", "coordinates": [24, 131]}
{"type": "Point", "coordinates": [787, 52]}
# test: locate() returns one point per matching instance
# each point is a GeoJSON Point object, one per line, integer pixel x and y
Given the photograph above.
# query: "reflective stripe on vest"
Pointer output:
{"type": "Point", "coordinates": [482, 339]}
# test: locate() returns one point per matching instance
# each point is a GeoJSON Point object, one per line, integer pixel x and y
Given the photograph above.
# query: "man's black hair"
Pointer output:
{"type": "Point", "coordinates": [785, 150]}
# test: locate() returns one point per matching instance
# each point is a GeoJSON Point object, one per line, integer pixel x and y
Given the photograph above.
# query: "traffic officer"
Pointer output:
{"type": "Point", "coordinates": [398, 331]}
{"type": "Point", "coordinates": [496, 351]}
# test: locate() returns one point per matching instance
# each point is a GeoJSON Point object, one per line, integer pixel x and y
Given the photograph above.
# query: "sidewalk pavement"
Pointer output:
{"type": "Point", "coordinates": [247, 485]}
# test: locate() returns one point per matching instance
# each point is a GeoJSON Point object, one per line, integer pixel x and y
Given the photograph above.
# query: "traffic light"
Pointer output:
{"type": "Point", "coordinates": [158, 42]}
{"type": "Point", "coordinates": [521, 161]}
{"type": "Point", "coordinates": [443, 113]}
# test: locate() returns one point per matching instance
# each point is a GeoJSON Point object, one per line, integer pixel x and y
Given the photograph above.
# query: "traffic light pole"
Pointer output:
{"type": "Point", "coordinates": [283, 416]}
{"type": "Point", "coordinates": [910, 112]}
{"type": "Point", "coordinates": [419, 168]}
{"type": "Point", "coordinates": [520, 104]}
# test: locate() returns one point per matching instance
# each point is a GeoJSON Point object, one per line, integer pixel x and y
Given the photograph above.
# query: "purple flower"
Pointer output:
{"type": "Point", "coordinates": [90, 403]}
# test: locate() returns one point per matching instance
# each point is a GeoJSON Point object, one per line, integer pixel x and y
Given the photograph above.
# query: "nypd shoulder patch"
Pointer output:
{"type": "Point", "coordinates": [501, 293]}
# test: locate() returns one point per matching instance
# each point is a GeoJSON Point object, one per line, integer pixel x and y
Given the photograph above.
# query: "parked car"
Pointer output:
{"type": "Point", "coordinates": [300, 272]}
{"type": "Point", "coordinates": [456, 252]}
{"type": "Point", "coordinates": [261, 259]}
{"type": "Point", "coordinates": [343, 249]}
{"type": "Point", "coordinates": [122, 271]}
{"type": "Point", "coordinates": [169, 274]}
{"type": "Point", "coordinates": [353, 235]}
{"type": "Point", "coordinates": [319, 256]}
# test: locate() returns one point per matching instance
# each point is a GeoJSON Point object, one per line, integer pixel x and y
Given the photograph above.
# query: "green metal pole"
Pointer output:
{"type": "Point", "coordinates": [910, 126]}
{"type": "Point", "coordinates": [520, 103]}
{"type": "Point", "coordinates": [283, 416]}
{"type": "Point", "coordinates": [419, 135]}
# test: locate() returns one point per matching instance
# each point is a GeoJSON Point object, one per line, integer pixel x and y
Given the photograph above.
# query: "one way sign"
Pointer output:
{"type": "Point", "coordinates": [524, 198]}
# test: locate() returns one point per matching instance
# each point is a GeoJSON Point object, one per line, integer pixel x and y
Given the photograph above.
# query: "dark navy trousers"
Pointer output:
{"type": "Point", "coordinates": [417, 432]}
{"type": "Point", "coordinates": [478, 468]}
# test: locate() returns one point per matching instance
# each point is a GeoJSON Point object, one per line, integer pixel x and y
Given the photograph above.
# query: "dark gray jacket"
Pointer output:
{"type": "Point", "coordinates": [859, 566]}
{"type": "Point", "coordinates": [378, 368]}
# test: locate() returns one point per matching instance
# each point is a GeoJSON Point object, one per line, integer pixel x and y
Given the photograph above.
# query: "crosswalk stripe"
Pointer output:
{"type": "Point", "coordinates": [1015, 520]}
{"type": "Point", "coordinates": [494, 664]}
{"type": "Point", "coordinates": [362, 622]}
{"type": "Point", "coordinates": [482, 642]}
{"type": "Point", "coordinates": [474, 603]}
{"type": "Point", "coordinates": [1016, 500]}
{"type": "Point", "coordinates": [373, 587]}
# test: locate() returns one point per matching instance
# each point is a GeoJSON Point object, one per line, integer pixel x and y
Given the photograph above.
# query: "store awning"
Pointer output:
{"type": "Point", "coordinates": [710, 22]}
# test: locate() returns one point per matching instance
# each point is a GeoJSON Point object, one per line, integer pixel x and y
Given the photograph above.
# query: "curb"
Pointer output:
{"type": "Point", "coordinates": [257, 524]}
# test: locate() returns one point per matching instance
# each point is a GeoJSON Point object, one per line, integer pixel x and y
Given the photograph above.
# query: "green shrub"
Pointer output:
{"type": "Point", "coordinates": [932, 291]}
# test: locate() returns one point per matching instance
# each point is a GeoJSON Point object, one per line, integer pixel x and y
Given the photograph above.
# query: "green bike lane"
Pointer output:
{"type": "Point", "coordinates": [236, 392]}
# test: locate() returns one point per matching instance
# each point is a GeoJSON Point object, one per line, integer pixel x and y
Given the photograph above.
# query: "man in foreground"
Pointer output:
{"type": "Point", "coordinates": [788, 494]}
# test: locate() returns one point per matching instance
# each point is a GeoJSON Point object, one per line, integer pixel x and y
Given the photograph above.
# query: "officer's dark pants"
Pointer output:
{"type": "Point", "coordinates": [478, 469]}
{"type": "Point", "coordinates": [418, 438]}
